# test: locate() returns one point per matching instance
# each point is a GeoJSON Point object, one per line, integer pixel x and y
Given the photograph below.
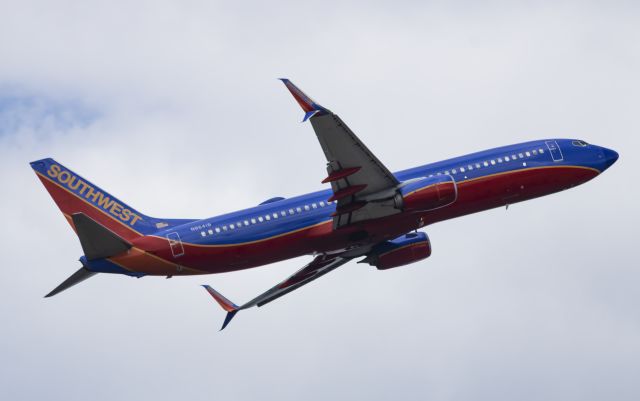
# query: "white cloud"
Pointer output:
{"type": "Point", "coordinates": [188, 120]}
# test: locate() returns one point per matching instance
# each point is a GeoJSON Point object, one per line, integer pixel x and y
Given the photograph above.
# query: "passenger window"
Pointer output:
{"type": "Point", "coordinates": [454, 171]}
{"type": "Point", "coordinates": [224, 228]}
{"type": "Point", "coordinates": [486, 164]}
{"type": "Point", "coordinates": [210, 232]}
{"type": "Point", "coordinates": [246, 222]}
{"type": "Point", "coordinates": [217, 229]}
{"type": "Point", "coordinates": [253, 221]}
{"type": "Point", "coordinates": [283, 213]}
{"type": "Point", "coordinates": [499, 160]}
{"type": "Point", "coordinates": [291, 211]}
{"type": "Point", "coordinates": [541, 150]}
{"type": "Point", "coordinates": [203, 233]}
{"type": "Point", "coordinates": [267, 217]}
{"type": "Point", "coordinates": [446, 172]}
{"type": "Point", "coordinates": [306, 207]}
{"type": "Point", "coordinates": [275, 215]}
{"type": "Point", "coordinates": [470, 167]}
{"type": "Point", "coordinates": [521, 155]}
{"type": "Point", "coordinates": [313, 205]}
{"type": "Point", "coordinates": [439, 174]}
{"type": "Point", "coordinates": [298, 210]}
{"type": "Point", "coordinates": [513, 157]}
{"type": "Point", "coordinates": [506, 158]}
{"type": "Point", "coordinates": [528, 154]}
{"type": "Point", "coordinates": [231, 226]}
{"type": "Point", "coordinates": [535, 152]}
{"type": "Point", "coordinates": [493, 162]}
{"type": "Point", "coordinates": [462, 169]}
{"type": "Point", "coordinates": [477, 165]}
{"type": "Point", "coordinates": [321, 203]}
{"type": "Point", "coordinates": [260, 219]}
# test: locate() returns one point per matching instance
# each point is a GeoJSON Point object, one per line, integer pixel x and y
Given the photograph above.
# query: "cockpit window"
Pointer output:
{"type": "Point", "coordinates": [579, 143]}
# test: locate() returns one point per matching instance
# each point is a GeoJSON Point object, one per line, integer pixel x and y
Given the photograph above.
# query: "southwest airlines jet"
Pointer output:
{"type": "Point", "coordinates": [368, 212]}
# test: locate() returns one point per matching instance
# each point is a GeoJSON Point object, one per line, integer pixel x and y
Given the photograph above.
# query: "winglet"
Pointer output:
{"type": "Point", "coordinates": [309, 106]}
{"type": "Point", "coordinates": [227, 305]}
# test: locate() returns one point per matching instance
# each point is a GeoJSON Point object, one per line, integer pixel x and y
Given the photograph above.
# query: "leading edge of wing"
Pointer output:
{"type": "Point", "coordinates": [308, 105]}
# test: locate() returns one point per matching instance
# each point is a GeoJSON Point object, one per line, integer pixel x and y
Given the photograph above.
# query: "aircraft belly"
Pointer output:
{"type": "Point", "coordinates": [511, 187]}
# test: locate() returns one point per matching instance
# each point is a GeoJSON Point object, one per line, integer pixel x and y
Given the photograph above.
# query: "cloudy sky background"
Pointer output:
{"type": "Point", "coordinates": [175, 108]}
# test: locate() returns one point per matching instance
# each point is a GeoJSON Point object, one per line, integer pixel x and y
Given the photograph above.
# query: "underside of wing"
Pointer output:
{"type": "Point", "coordinates": [320, 266]}
{"type": "Point", "coordinates": [363, 187]}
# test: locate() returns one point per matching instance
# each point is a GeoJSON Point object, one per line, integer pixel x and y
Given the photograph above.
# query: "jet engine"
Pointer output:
{"type": "Point", "coordinates": [401, 251]}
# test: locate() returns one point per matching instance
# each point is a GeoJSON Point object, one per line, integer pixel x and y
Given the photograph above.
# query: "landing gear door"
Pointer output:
{"type": "Point", "coordinates": [175, 244]}
{"type": "Point", "coordinates": [554, 149]}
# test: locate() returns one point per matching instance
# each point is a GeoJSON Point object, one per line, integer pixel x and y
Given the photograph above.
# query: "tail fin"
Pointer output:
{"type": "Point", "coordinates": [74, 194]}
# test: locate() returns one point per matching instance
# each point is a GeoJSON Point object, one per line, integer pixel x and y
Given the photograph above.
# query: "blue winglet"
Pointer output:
{"type": "Point", "coordinates": [309, 114]}
{"type": "Point", "coordinates": [228, 318]}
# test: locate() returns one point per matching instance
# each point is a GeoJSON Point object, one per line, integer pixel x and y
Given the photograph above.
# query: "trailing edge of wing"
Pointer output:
{"type": "Point", "coordinates": [309, 106]}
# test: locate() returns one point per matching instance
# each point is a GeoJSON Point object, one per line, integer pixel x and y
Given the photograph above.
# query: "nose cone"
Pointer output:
{"type": "Point", "coordinates": [609, 157]}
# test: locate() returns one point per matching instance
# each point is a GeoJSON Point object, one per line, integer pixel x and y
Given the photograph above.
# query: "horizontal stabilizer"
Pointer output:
{"type": "Point", "coordinates": [97, 241]}
{"type": "Point", "coordinates": [74, 279]}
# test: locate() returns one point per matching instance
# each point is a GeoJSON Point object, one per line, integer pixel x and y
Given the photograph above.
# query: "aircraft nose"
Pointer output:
{"type": "Point", "coordinates": [609, 157]}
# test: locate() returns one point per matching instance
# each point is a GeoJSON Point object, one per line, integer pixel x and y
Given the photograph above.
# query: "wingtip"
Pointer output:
{"type": "Point", "coordinates": [221, 299]}
{"type": "Point", "coordinates": [227, 319]}
{"type": "Point", "coordinates": [308, 105]}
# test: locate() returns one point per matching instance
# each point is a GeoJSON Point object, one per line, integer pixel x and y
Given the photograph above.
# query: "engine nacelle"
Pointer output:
{"type": "Point", "coordinates": [429, 193]}
{"type": "Point", "coordinates": [401, 251]}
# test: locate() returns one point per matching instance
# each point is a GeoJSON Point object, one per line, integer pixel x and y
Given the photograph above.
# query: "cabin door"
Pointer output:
{"type": "Point", "coordinates": [175, 244]}
{"type": "Point", "coordinates": [554, 149]}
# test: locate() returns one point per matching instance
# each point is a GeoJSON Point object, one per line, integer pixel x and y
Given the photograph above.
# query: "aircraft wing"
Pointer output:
{"type": "Point", "coordinates": [360, 182]}
{"type": "Point", "coordinates": [320, 266]}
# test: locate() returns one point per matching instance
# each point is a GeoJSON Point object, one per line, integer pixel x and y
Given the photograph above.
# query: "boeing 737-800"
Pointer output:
{"type": "Point", "coordinates": [368, 212]}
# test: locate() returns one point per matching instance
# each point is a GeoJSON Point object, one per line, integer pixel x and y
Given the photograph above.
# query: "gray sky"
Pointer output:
{"type": "Point", "coordinates": [175, 108]}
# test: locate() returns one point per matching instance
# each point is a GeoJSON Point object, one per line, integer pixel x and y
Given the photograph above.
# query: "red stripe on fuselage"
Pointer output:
{"type": "Point", "coordinates": [474, 195]}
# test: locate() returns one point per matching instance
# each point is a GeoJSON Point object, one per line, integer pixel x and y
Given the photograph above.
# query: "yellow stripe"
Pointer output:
{"type": "Point", "coordinates": [325, 222]}
{"type": "Point", "coordinates": [250, 242]}
{"type": "Point", "coordinates": [528, 169]}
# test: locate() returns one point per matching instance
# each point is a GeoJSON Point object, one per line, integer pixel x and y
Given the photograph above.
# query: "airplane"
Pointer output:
{"type": "Point", "coordinates": [368, 212]}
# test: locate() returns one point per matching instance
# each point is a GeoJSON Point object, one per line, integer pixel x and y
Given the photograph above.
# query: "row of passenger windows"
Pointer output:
{"type": "Point", "coordinates": [492, 162]}
{"type": "Point", "coordinates": [266, 217]}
